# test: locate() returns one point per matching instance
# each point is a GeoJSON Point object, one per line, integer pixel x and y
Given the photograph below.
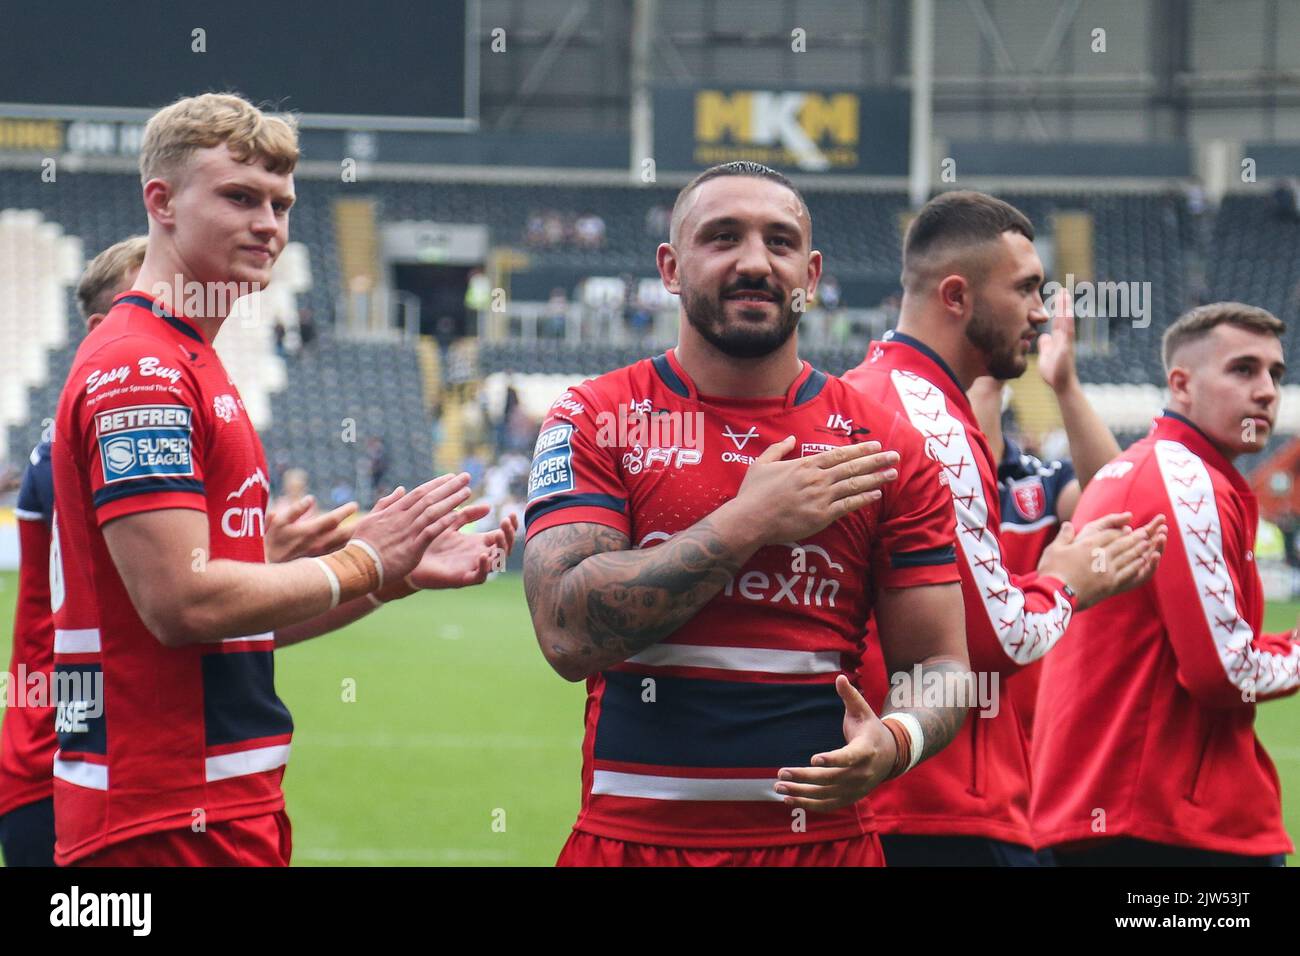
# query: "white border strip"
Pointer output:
{"type": "Point", "coordinates": [265, 636]}
{"type": "Point", "coordinates": [649, 787]}
{"type": "Point", "coordinates": [760, 659]}
{"type": "Point", "coordinates": [81, 773]}
{"type": "Point", "coordinates": [82, 641]}
{"type": "Point", "coordinates": [244, 762]}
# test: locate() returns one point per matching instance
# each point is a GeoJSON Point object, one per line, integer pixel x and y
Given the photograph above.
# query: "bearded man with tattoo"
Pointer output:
{"type": "Point", "coordinates": [708, 533]}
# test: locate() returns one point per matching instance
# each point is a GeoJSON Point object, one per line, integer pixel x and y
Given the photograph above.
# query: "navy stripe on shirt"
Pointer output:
{"type": "Point", "coordinates": [239, 701]}
{"type": "Point", "coordinates": [80, 724]}
{"type": "Point", "coordinates": [580, 500]}
{"type": "Point", "coordinates": [945, 554]}
{"type": "Point", "coordinates": [711, 723]}
{"type": "Point", "coordinates": [138, 487]}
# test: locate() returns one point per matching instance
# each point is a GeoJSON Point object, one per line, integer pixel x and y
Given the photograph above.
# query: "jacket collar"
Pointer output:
{"type": "Point", "coordinates": [913, 355]}
{"type": "Point", "coordinates": [1175, 427]}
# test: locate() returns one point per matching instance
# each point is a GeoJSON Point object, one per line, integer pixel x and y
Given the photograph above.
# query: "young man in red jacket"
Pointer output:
{"type": "Point", "coordinates": [971, 307]}
{"type": "Point", "coordinates": [1144, 746]}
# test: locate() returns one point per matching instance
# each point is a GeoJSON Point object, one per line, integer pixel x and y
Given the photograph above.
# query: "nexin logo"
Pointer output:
{"type": "Point", "coordinates": [802, 587]}
{"type": "Point", "coordinates": [813, 130]}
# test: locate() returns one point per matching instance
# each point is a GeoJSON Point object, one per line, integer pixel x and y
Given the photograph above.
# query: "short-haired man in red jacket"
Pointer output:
{"type": "Point", "coordinates": [1144, 749]}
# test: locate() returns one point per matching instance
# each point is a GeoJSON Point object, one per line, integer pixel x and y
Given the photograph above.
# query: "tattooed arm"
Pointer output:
{"type": "Point", "coordinates": [596, 601]}
{"type": "Point", "coordinates": [922, 625]}
{"type": "Point", "coordinates": [926, 626]}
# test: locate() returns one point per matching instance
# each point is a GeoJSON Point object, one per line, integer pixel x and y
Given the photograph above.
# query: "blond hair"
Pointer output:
{"type": "Point", "coordinates": [107, 275]}
{"type": "Point", "coordinates": [200, 122]}
{"type": "Point", "coordinates": [1200, 321]}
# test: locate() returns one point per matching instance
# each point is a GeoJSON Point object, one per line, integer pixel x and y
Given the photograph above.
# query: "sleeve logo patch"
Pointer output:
{"type": "Point", "coordinates": [145, 441]}
{"type": "Point", "coordinates": [552, 470]}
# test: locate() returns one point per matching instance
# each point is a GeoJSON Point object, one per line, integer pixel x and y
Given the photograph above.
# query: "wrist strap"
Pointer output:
{"type": "Point", "coordinates": [910, 739]}
{"type": "Point", "coordinates": [353, 571]}
{"type": "Point", "coordinates": [333, 580]}
{"type": "Point", "coordinates": [374, 556]}
{"type": "Point", "coordinates": [393, 592]}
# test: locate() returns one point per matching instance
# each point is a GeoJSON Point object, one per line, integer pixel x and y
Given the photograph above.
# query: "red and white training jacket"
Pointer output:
{"type": "Point", "coordinates": [979, 784]}
{"type": "Point", "coordinates": [1146, 712]}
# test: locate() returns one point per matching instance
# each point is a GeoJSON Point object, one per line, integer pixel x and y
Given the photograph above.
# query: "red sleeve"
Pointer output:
{"type": "Point", "coordinates": [1200, 584]}
{"type": "Point", "coordinates": [1011, 620]}
{"type": "Point", "coordinates": [915, 543]}
{"type": "Point", "coordinates": [141, 438]}
{"type": "Point", "coordinates": [575, 476]}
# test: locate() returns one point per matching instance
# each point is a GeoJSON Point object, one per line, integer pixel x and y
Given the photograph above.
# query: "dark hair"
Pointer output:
{"type": "Point", "coordinates": [954, 220]}
{"type": "Point", "coordinates": [1202, 320]}
{"type": "Point", "coordinates": [740, 167]}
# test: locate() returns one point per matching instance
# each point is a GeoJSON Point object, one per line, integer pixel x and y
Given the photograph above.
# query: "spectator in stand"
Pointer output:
{"type": "Point", "coordinates": [279, 333]}
{"type": "Point", "coordinates": [828, 294]}
{"type": "Point", "coordinates": [557, 313]}
{"type": "Point", "coordinates": [589, 231]}
{"type": "Point", "coordinates": [293, 488]}
{"type": "Point", "coordinates": [1286, 200]}
{"type": "Point", "coordinates": [377, 455]}
{"type": "Point", "coordinates": [306, 327]}
{"type": "Point", "coordinates": [657, 220]}
{"type": "Point", "coordinates": [341, 493]}
{"type": "Point", "coordinates": [553, 229]}
{"type": "Point", "coordinates": [509, 405]}
{"type": "Point", "coordinates": [473, 466]}
{"type": "Point", "coordinates": [535, 229]}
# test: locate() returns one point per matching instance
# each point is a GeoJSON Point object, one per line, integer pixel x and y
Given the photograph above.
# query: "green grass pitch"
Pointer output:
{"type": "Point", "coordinates": [433, 733]}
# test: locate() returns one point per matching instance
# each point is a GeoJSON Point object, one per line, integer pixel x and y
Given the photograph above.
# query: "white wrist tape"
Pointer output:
{"type": "Point", "coordinates": [914, 732]}
{"type": "Point", "coordinates": [333, 580]}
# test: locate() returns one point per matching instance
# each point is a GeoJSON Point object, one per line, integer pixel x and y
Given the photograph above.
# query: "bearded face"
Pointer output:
{"type": "Point", "coordinates": [1005, 346]}
{"type": "Point", "coordinates": [750, 319]}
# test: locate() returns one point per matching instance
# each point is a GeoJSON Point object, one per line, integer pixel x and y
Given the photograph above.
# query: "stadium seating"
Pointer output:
{"type": "Point", "coordinates": [38, 266]}
{"type": "Point", "coordinates": [1144, 238]}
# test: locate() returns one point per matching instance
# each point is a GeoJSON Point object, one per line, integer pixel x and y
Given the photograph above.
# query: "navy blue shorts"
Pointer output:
{"type": "Point", "coordinates": [1127, 851]}
{"type": "Point", "coordinates": [902, 849]}
{"type": "Point", "coordinates": [27, 834]}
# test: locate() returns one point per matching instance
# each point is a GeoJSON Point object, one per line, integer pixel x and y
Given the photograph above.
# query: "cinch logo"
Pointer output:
{"type": "Point", "coordinates": [813, 131]}
{"type": "Point", "coordinates": [246, 522]}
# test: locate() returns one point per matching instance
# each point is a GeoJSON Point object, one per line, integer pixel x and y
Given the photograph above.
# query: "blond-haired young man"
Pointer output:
{"type": "Point", "coordinates": [172, 741]}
